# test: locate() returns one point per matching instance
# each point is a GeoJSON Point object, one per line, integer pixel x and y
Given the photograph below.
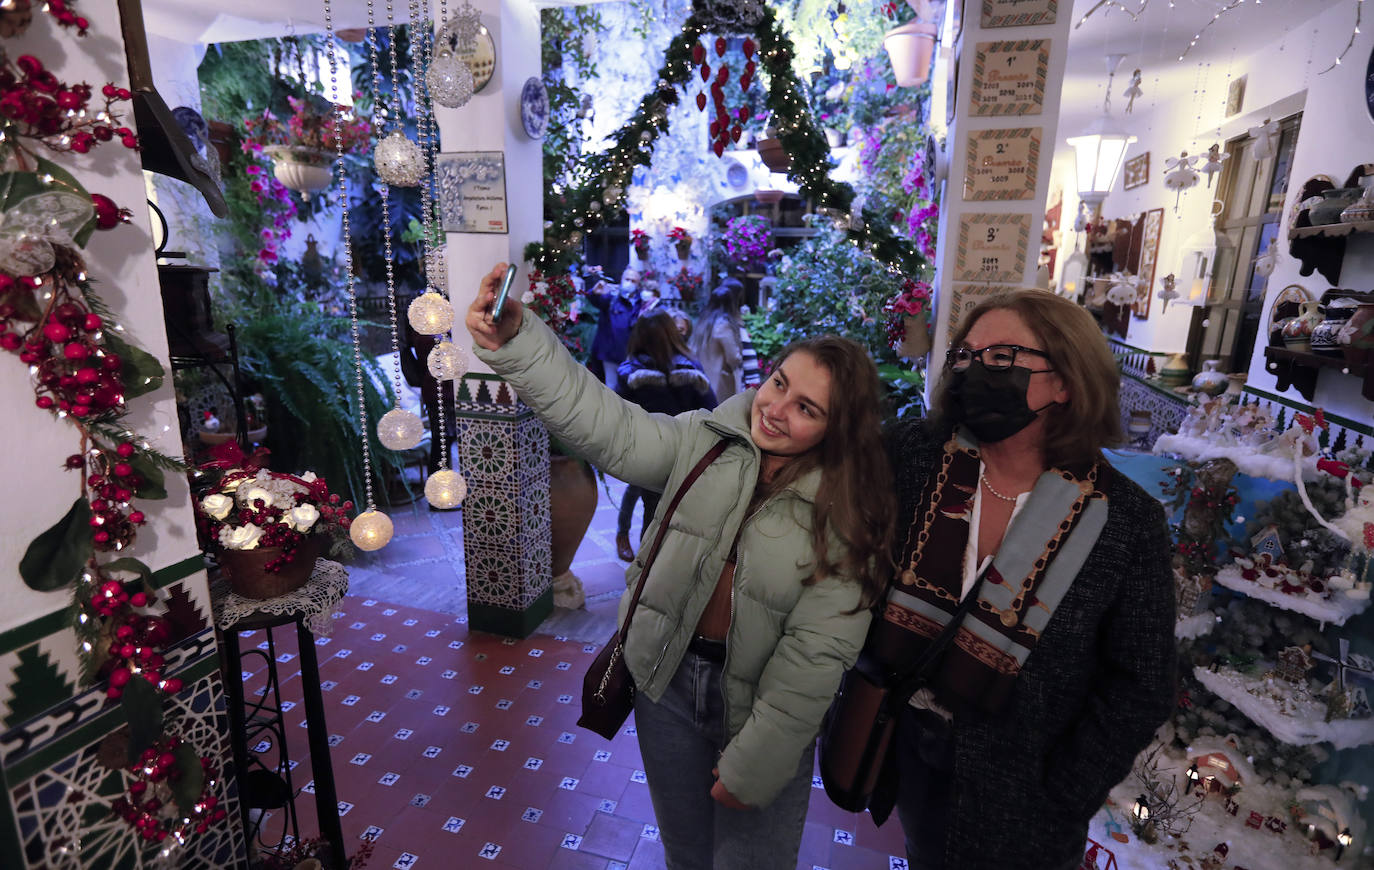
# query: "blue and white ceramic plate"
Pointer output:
{"type": "Point", "coordinates": [534, 108]}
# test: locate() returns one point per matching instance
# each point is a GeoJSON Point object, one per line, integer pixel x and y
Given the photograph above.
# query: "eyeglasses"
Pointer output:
{"type": "Point", "coordinates": [995, 357]}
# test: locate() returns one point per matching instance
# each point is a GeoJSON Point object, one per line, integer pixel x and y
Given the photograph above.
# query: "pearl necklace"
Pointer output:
{"type": "Point", "coordinates": [992, 489]}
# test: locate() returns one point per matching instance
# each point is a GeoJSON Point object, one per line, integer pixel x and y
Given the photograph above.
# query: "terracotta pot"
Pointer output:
{"type": "Point", "coordinates": [910, 47]}
{"type": "Point", "coordinates": [774, 156]}
{"type": "Point", "coordinates": [1357, 337]}
{"type": "Point", "coordinates": [767, 196]}
{"type": "Point", "coordinates": [684, 248]}
{"type": "Point", "coordinates": [915, 338]}
{"type": "Point", "coordinates": [247, 575]}
{"type": "Point", "coordinates": [572, 502]}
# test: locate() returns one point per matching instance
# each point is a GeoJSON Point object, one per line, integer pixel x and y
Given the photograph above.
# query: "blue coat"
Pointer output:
{"type": "Point", "coordinates": [618, 313]}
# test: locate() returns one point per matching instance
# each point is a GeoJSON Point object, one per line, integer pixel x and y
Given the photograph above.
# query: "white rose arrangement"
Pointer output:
{"type": "Point", "coordinates": [270, 511]}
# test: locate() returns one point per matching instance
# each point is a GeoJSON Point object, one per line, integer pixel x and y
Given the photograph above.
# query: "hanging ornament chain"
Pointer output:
{"type": "Point", "coordinates": [371, 529]}
{"type": "Point", "coordinates": [387, 107]}
{"type": "Point", "coordinates": [1359, 12]}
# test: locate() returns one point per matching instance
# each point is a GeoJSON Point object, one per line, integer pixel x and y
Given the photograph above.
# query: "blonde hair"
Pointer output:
{"type": "Point", "coordinates": [1077, 430]}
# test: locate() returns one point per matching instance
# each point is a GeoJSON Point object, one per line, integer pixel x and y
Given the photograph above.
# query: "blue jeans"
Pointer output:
{"type": "Point", "coordinates": [680, 738]}
{"type": "Point", "coordinates": [925, 764]}
{"type": "Point", "coordinates": [627, 509]}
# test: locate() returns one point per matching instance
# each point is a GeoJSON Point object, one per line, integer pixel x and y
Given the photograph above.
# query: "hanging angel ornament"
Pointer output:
{"type": "Point", "coordinates": [1265, 262]}
{"type": "Point", "coordinates": [1211, 165]}
{"type": "Point", "coordinates": [1122, 290]}
{"type": "Point", "coordinates": [1168, 293]}
{"type": "Point", "coordinates": [1132, 91]}
{"type": "Point", "coordinates": [1266, 138]}
{"type": "Point", "coordinates": [1179, 175]}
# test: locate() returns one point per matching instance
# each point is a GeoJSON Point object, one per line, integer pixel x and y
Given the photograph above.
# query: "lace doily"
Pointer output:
{"type": "Point", "coordinates": [317, 599]}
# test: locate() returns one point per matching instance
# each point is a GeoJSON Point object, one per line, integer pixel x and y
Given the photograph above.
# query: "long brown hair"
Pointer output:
{"type": "Point", "coordinates": [855, 501]}
{"type": "Point", "coordinates": [656, 336]}
{"type": "Point", "coordinates": [1077, 430]}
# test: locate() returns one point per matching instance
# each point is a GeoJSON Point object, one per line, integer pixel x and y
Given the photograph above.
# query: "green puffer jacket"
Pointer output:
{"type": "Point", "coordinates": [789, 641]}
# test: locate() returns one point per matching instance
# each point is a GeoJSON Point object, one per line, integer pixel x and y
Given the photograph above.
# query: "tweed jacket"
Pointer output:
{"type": "Point", "coordinates": [1090, 696]}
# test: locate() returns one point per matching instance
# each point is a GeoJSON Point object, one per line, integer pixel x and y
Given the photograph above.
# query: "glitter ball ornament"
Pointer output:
{"type": "Point", "coordinates": [447, 361]}
{"type": "Point", "coordinates": [450, 80]}
{"type": "Point", "coordinates": [445, 488]}
{"type": "Point", "coordinates": [436, 267]}
{"type": "Point", "coordinates": [399, 429]}
{"type": "Point", "coordinates": [371, 530]}
{"type": "Point", "coordinates": [399, 161]}
{"type": "Point", "coordinates": [430, 314]}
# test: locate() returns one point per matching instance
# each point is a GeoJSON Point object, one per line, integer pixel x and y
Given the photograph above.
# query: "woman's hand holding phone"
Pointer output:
{"type": "Point", "coordinates": [485, 332]}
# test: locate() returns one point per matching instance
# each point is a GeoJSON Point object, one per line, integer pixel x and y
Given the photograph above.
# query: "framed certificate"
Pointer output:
{"type": "Point", "coordinates": [992, 248]}
{"type": "Point", "coordinates": [472, 192]}
{"type": "Point", "coordinates": [963, 297]}
{"type": "Point", "coordinates": [1018, 13]}
{"type": "Point", "coordinates": [1002, 164]}
{"type": "Point", "coordinates": [1009, 77]}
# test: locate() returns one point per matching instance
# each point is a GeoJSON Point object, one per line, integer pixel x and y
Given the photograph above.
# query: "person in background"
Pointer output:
{"type": "Point", "coordinates": [716, 342]}
{"type": "Point", "coordinates": [760, 594]}
{"type": "Point", "coordinates": [659, 376]}
{"type": "Point", "coordinates": [751, 374]}
{"type": "Point", "coordinates": [617, 307]}
{"type": "Point", "coordinates": [1063, 668]}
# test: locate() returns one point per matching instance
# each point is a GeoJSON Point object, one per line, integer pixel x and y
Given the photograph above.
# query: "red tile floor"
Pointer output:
{"type": "Point", "coordinates": [453, 747]}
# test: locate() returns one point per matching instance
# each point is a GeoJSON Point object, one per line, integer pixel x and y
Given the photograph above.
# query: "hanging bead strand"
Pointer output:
{"type": "Point", "coordinates": [371, 529]}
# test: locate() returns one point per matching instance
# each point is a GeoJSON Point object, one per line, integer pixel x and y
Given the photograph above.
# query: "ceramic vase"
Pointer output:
{"type": "Point", "coordinates": [304, 170]}
{"type": "Point", "coordinates": [1235, 386]}
{"type": "Point", "coordinates": [1297, 333]}
{"type": "Point", "coordinates": [1175, 372]}
{"type": "Point", "coordinates": [246, 570]}
{"type": "Point", "coordinates": [1324, 334]}
{"type": "Point", "coordinates": [572, 503]}
{"type": "Point", "coordinates": [1357, 336]}
{"type": "Point", "coordinates": [1362, 209]}
{"type": "Point", "coordinates": [1211, 380]}
{"type": "Point", "coordinates": [1334, 201]}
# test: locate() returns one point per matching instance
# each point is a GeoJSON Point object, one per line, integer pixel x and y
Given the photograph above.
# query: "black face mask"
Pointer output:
{"type": "Point", "coordinates": [992, 404]}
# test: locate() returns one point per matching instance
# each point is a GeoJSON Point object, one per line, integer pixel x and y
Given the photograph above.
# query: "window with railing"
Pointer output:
{"type": "Point", "coordinates": [1250, 197]}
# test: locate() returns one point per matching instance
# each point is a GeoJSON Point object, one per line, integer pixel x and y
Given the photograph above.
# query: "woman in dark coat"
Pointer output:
{"type": "Point", "coordinates": [1063, 668]}
{"type": "Point", "coordinates": [660, 377]}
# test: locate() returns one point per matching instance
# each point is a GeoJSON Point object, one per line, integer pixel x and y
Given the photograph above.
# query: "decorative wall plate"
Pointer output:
{"type": "Point", "coordinates": [534, 108]}
{"type": "Point", "coordinates": [1295, 293]}
{"type": "Point", "coordinates": [1369, 86]}
{"type": "Point", "coordinates": [735, 174]}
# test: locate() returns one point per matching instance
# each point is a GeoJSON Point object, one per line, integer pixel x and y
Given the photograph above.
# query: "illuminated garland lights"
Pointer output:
{"type": "Point", "coordinates": [611, 171]}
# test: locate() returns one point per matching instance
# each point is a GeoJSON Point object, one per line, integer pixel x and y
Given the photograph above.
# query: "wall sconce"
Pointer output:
{"type": "Point", "coordinates": [1101, 149]}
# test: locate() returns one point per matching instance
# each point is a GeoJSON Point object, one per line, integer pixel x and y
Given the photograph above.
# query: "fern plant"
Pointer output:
{"type": "Point", "coordinates": [301, 360]}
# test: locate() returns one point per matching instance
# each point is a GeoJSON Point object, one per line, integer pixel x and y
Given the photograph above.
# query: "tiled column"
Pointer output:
{"type": "Point", "coordinates": [503, 451]}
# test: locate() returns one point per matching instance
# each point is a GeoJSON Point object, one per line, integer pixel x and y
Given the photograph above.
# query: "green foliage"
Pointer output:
{"type": "Point", "coordinates": [56, 557]}
{"type": "Point", "coordinates": [904, 392]}
{"type": "Point", "coordinates": [302, 361]}
{"type": "Point", "coordinates": [827, 284]}
{"type": "Point", "coordinates": [768, 340]}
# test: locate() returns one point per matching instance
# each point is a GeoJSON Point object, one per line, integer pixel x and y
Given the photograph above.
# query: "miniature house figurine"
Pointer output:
{"type": "Point", "coordinates": [1267, 546]}
{"type": "Point", "coordinates": [1294, 663]}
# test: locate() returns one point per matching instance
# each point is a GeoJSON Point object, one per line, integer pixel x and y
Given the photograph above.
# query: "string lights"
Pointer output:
{"type": "Point", "coordinates": [610, 172]}
{"type": "Point", "coordinates": [1359, 12]}
{"type": "Point", "coordinates": [1213, 20]}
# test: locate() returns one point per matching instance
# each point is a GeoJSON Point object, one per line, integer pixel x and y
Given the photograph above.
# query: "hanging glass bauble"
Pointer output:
{"type": "Point", "coordinates": [447, 361]}
{"type": "Point", "coordinates": [399, 161]}
{"type": "Point", "coordinates": [430, 314]}
{"type": "Point", "coordinates": [399, 429]}
{"type": "Point", "coordinates": [436, 267]}
{"type": "Point", "coordinates": [450, 80]}
{"type": "Point", "coordinates": [445, 488]}
{"type": "Point", "coordinates": [371, 530]}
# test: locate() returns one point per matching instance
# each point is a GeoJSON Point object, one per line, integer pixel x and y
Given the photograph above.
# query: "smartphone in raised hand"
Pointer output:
{"type": "Point", "coordinates": [503, 293]}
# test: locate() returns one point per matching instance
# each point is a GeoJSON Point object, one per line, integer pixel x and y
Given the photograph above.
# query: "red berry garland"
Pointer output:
{"type": "Point", "coordinates": [58, 114]}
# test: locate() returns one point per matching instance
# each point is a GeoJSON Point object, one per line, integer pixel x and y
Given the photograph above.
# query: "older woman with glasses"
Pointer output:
{"type": "Point", "coordinates": [1061, 666]}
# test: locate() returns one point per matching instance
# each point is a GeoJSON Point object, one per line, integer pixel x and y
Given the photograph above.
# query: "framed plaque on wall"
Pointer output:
{"type": "Point", "coordinates": [1009, 77]}
{"type": "Point", "coordinates": [1002, 164]}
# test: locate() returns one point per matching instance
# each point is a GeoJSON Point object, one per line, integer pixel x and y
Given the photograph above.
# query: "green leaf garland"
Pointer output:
{"type": "Point", "coordinates": [55, 558]}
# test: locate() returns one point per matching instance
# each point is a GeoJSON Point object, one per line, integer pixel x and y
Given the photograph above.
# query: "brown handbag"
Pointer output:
{"type": "Point", "coordinates": [856, 734]}
{"type": "Point", "coordinates": [608, 690]}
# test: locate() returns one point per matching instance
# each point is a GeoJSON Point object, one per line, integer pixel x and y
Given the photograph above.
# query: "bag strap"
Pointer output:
{"type": "Point", "coordinates": [912, 680]}
{"type": "Point", "coordinates": [711, 456]}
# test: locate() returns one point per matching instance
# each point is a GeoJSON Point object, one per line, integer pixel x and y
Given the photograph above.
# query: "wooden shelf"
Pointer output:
{"type": "Point", "coordinates": [1299, 369]}
{"type": "Point", "coordinates": [1332, 230]}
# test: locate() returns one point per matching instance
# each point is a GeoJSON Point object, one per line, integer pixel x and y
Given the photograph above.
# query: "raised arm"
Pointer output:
{"type": "Point", "coordinates": [615, 435]}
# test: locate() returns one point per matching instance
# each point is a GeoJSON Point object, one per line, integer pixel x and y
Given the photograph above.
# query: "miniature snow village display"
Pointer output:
{"type": "Point", "coordinates": [1270, 687]}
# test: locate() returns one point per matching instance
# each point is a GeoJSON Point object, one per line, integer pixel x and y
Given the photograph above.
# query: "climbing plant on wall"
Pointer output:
{"type": "Point", "coordinates": [608, 173]}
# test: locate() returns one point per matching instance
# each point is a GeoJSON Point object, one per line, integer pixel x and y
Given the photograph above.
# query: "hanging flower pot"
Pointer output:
{"type": "Point", "coordinates": [774, 156]}
{"type": "Point", "coordinates": [304, 170]}
{"type": "Point", "coordinates": [915, 338]}
{"type": "Point", "coordinates": [910, 48]}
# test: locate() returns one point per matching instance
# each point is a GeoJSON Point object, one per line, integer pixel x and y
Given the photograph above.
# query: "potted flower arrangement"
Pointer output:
{"type": "Point", "coordinates": [687, 284]}
{"type": "Point", "coordinates": [303, 148]}
{"type": "Point", "coordinates": [747, 240]}
{"type": "Point", "coordinates": [911, 44]}
{"type": "Point", "coordinates": [639, 240]}
{"type": "Point", "coordinates": [266, 528]}
{"type": "Point", "coordinates": [682, 240]}
{"type": "Point", "coordinates": [908, 326]}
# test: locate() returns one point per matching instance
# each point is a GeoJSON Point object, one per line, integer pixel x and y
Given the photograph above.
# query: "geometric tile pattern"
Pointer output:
{"type": "Point", "coordinates": [457, 748]}
{"type": "Point", "coordinates": [61, 811]}
{"type": "Point", "coordinates": [504, 456]}
{"type": "Point", "coordinates": [1166, 412]}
